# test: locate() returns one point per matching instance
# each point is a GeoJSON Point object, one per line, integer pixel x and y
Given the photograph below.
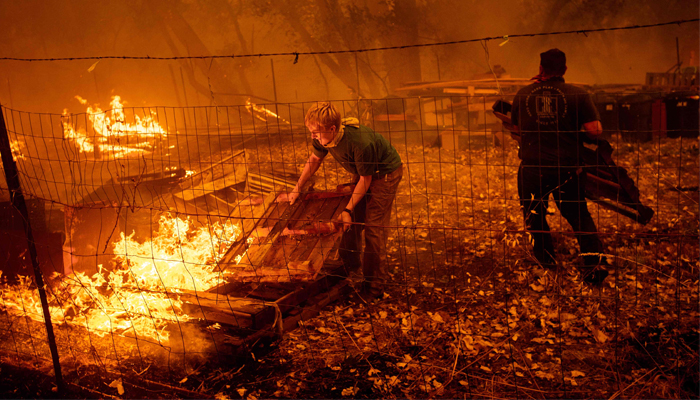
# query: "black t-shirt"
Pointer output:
{"type": "Point", "coordinates": [362, 152]}
{"type": "Point", "coordinates": [550, 116]}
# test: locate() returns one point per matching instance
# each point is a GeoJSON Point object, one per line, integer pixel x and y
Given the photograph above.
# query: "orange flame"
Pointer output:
{"type": "Point", "coordinates": [113, 135]}
{"type": "Point", "coordinates": [140, 297]}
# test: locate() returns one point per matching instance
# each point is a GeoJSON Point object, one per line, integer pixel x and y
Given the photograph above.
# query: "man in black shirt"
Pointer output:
{"type": "Point", "coordinates": [377, 168]}
{"type": "Point", "coordinates": [550, 115]}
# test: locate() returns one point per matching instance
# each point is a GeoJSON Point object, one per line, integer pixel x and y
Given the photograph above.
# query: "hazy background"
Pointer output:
{"type": "Point", "coordinates": [75, 28]}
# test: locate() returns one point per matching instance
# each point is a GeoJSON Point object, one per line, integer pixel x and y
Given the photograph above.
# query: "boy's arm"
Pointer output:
{"type": "Point", "coordinates": [310, 168]}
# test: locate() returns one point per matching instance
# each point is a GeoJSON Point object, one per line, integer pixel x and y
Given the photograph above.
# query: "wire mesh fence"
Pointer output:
{"type": "Point", "coordinates": [161, 241]}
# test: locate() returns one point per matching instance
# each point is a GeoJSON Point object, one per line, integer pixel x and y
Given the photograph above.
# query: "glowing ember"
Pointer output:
{"type": "Point", "coordinates": [16, 148]}
{"type": "Point", "coordinates": [140, 297]}
{"type": "Point", "coordinates": [113, 135]}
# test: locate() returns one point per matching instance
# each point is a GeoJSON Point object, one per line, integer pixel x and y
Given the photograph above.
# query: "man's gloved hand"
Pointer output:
{"type": "Point", "coordinates": [508, 126]}
{"type": "Point", "coordinates": [345, 218]}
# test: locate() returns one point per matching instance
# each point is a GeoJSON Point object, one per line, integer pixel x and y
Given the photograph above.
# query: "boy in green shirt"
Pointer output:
{"type": "Point", "coordinates": [377, 168]}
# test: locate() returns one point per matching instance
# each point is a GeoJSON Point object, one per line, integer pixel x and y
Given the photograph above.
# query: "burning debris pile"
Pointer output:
{"type": "Point", "coordinates": [111, 134]}
{"type": "Point", "coordinates": [140, 296]}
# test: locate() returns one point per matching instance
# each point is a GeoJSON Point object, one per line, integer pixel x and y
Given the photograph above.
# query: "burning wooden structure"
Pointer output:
{"type": "Point", "coordinates": [156, 252]}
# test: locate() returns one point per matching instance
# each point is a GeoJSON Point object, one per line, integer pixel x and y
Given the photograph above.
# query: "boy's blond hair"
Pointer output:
{"type": "Point", "coordinates": [323, 114]}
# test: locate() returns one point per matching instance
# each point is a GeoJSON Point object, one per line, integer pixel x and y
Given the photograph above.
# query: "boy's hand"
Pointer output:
{"type": "Point", "coordinates": [293, 196]}
{"type": "Point", "coordinates": [287, 197]}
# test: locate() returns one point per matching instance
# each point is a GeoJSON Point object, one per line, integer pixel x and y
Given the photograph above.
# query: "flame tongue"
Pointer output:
{"type": "Point", "coordinates": [114, 136]}
{"type": "Point", "coordinates": [176, 257]}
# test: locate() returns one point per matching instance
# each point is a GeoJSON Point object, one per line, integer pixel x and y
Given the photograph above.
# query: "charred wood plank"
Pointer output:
{"type": "Point", "coordinates": [315, 305]}
{"type": "Point", "coordinates": [236, 311]}
{"type": "Point", "coordinates": [230, 310]}
{"type": "Point", "coordinates": [332, 273]}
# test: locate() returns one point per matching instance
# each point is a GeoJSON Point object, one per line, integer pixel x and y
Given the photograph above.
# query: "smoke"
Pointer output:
{"type": "Point", "coordinates": [76, 28]}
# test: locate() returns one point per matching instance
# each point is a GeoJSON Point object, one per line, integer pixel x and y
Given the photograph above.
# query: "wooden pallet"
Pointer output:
{"type": "Point", "coordinates": [266, 252]}
{"type": "Point", "coordinates": [235, 315]}
{"type": "Point", "coordinates": [281, 278]}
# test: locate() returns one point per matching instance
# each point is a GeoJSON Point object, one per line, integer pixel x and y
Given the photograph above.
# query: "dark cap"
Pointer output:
{"type": "Point", "coordinates": [553, 62]}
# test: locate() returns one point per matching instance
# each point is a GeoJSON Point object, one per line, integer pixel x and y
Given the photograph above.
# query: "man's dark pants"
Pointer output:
{"type": "Point", "coordinates": [371, 215]}
{"type": "Point", "coordinates": [567, 185]}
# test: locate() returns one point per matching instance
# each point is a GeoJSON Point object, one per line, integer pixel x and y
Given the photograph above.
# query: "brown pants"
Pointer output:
{"type": "Point", "coordinates": [371, 215]}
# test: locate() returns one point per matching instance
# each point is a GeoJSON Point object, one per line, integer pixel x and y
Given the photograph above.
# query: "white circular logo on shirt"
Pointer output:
{"type": "Point", "coordinates": [546, 107]}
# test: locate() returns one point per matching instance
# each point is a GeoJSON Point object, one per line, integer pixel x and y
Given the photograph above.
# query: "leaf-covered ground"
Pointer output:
{"type": "Point", "coordinates": [468, 313]}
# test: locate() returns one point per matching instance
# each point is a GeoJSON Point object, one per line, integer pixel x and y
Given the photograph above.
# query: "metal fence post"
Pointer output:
{"type": "Point", "coordinates": [17, 200]}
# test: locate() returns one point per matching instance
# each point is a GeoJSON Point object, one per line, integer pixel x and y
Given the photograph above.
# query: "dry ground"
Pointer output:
{"type": "Point", "coordinates": [468, 313]}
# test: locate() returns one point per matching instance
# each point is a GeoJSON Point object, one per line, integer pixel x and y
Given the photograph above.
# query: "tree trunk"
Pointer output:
{"type": "Point", "coordinates": [174, 25]}
{"type": "Point", "coordinates": [403, 66]}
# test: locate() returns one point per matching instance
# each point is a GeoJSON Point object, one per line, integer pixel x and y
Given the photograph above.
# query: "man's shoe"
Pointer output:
{"type": "Point", "coordinates": [594, 277]}
{"type": "Point", "coordinates": [370, 291]}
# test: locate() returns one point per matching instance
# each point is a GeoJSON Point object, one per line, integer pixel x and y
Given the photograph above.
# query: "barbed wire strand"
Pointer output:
{"type": "Point", "coordinates": [296, 54]}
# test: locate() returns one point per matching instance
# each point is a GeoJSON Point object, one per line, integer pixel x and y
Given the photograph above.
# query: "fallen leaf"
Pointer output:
{"type": "Point", "coordinates": [571, 381]}
{"type": "Point", "coordinates": [221, 396]}
{"type": "Point", "coordinates": [567, 317]}
{"type": "Point", "coordinates": [117, 383]}
{"type": "Point", "coordinates": [599, 336]}
{"type": "Point", "coordinates": [351, 391]}
{"type": "Point", "coordinates": [544, 375]}
{"type": "Point", "coordinates": [536, 287]}
{"type": "Point", "coordinates": [437, 318]}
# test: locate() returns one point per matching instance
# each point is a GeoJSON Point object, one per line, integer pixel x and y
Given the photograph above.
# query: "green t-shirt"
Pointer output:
{"type": "Point", "coordinates": [362, 151]}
